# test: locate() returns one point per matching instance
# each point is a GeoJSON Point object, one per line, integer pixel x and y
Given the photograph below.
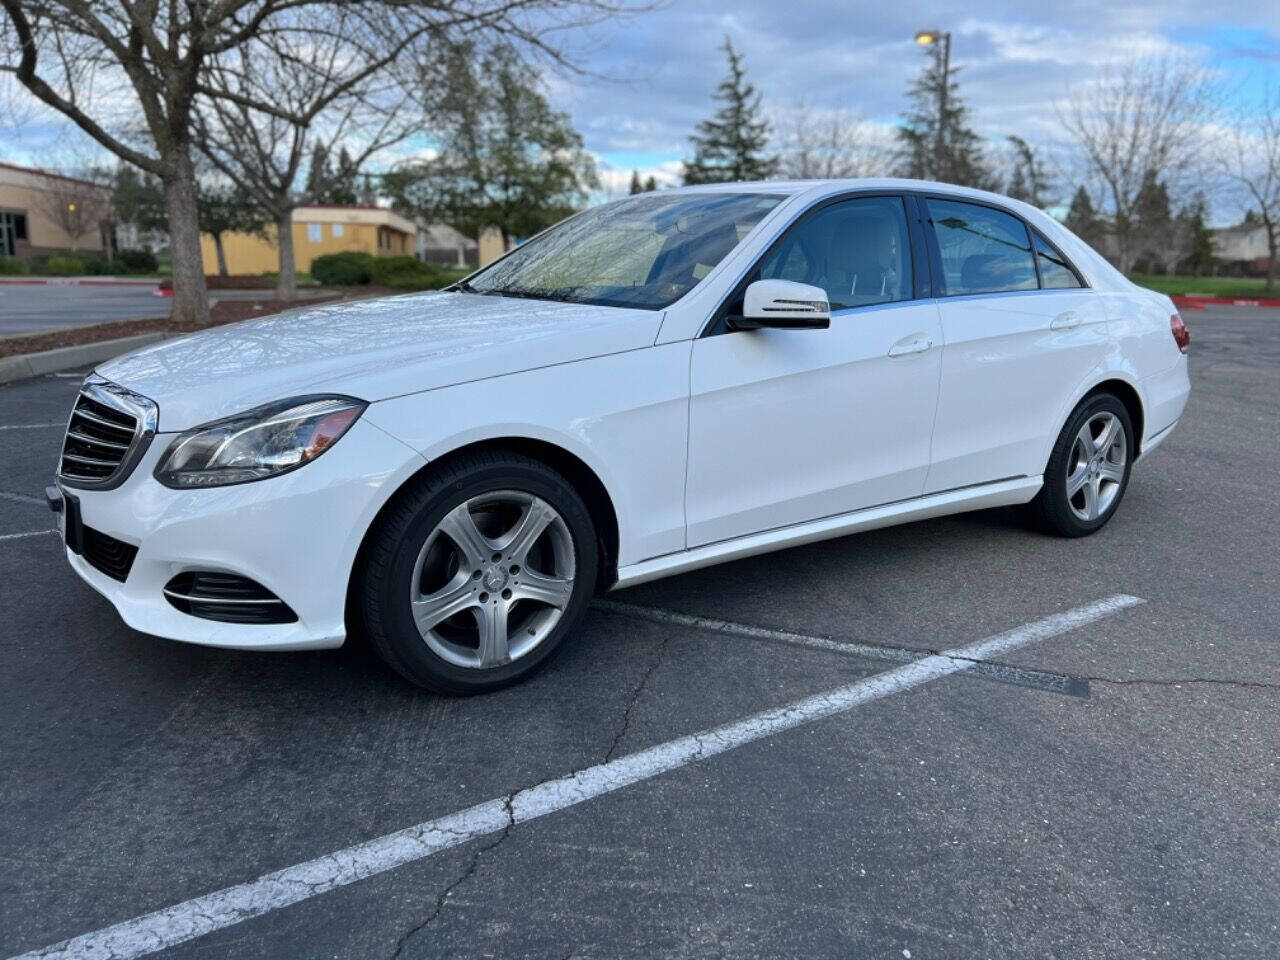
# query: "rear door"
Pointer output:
{"type": "Point", "coordinates": [1021, 334]}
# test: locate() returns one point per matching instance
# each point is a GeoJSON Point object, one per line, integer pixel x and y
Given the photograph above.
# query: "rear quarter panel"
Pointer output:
{"type": "Point", "coordinates": [1147, 353]}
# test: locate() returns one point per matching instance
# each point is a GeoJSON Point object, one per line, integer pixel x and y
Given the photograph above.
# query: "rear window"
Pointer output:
{"type": "Point", "coordinates": [983, 250]}
{"type": "Point", "coordinates": [1055, 272]}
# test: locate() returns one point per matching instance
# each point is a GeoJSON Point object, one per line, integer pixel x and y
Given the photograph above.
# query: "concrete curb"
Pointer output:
{"type": "Point", "coordinates": [77, 282]}
{"type": "Point", "coordinates": [65, 358]}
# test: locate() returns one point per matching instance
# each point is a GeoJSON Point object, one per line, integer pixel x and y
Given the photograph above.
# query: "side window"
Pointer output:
{"type": "Point", "coordinates": [1055, 272]}
{"type": "Point", "coordinates": [857, 250]}
{"type": "Point", "coordinates": [313, 233]}
{"type": "Point", "coordinates": [983, 250]}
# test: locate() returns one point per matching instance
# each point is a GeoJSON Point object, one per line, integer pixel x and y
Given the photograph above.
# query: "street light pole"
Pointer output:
{"type": "Point", "coordinates": [940, 159]}
{"type": "Point", "coordinates": [927, 38]}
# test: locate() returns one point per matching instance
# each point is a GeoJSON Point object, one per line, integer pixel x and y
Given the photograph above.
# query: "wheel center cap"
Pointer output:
{"type": "Point", "coordinates": [495, 578]}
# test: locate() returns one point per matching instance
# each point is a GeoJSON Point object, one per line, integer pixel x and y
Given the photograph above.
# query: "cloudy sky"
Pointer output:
{"type": "Point", "coordinates": [653, 74]}
{"type": "Point", "coordinates": [1018, 59]}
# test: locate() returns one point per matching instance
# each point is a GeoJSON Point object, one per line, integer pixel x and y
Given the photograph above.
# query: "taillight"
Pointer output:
{"type": "Point", "coordinates": [1181, 335]}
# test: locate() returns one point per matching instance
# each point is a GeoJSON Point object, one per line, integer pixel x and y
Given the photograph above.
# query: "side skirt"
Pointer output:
{"type": "Point", "coordinates": [1003, 493]}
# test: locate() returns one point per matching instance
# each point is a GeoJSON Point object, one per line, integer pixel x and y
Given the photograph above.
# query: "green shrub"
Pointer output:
{"type": "Point", "coordinates": [408, 273]}
{"type": "Point", "coordinates": [10, 267]}
{"type": "Point", "coordinates": [62, 265]}
{"type": "Point", "coordinates": [347, 269]}
{"type": "Point", "coordinates": [138, 261]}
{"type": "Point", "coordinates": [96, 266]}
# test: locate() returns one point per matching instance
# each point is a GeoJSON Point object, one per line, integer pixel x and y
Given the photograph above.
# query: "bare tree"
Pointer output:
{"type": "Point", "coordinates": [78, 206]}
{"type": "Point", "coordinates": [1251, 162]}
{"type": "Point", "coordinates": [829, 144]}
{"type": "Point", "coordinates": [129, 72]}
{"type": "Point", "coordinates": [1144, 117]}
{"type": "Point", "coordinates": [323, 97]}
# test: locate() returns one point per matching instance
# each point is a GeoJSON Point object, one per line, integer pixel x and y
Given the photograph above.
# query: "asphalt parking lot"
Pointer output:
{"type": "Point", "coordinates": [1105, 785]}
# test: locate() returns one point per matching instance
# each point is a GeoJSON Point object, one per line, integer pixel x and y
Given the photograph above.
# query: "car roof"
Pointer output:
{"type": "Point", "coordinates": [1098, 271]}
{"type": "Point", "coordinates": [822, 187]}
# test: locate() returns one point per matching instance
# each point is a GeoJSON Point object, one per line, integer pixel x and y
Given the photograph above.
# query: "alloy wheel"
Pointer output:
{"type": "Point", "coordinates": [1096, 467]}
{"type": "Point", "coordinates": [493, 579]}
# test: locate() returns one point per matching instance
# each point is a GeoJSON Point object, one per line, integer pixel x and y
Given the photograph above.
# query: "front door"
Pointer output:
{"type": "Point", "coordinates": [793, 425]}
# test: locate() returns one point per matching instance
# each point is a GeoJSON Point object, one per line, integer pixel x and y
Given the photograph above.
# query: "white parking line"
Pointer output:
{"type": "Point", "coordinates": [31, 426]}
{"type": "Point", "coordinates": [223, 908]}
{"type": "Point", "coordinates": [23, 536]}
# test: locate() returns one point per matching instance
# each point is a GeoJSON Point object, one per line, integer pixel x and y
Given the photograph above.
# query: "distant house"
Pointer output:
{"type": "Point", "coordinates": [317, 230]}
{"type": "Point", "coordinates": [1242, 247]}
{"type": "Point", "coordinates": [44, 213]}
{"type": "Point", "coordinates": [441, 244]}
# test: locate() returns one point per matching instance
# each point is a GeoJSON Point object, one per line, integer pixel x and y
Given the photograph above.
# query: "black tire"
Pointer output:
{"type": "Point", "coordinates": [383, 582]}
{"type": "Point", "coordinates": [1051, 510]}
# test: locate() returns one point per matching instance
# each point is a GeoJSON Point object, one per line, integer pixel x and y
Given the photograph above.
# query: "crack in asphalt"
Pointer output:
{"type": "Point", "coordinates": [635, 697]}
{"type": "Point", "coordinates": [462, 878]}
{"type": "Point", "coordinates": [22, 498]}
{"type": "Point", "coordinates": [901, 654]}
{"type": "Point", "coordinates": [509, 799]}
{"type": "Point", "coordinates": [1187, 681]}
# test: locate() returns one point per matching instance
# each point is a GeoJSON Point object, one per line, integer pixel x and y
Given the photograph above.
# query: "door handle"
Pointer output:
{"type": "Point", "coordinates": [1065, 321]}
{"type": "Point", "coordinates": [904, 347]}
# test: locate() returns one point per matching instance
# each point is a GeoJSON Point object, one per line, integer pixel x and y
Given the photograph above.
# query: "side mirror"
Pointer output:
{"type": "Point", "coordinates": [784, 304]}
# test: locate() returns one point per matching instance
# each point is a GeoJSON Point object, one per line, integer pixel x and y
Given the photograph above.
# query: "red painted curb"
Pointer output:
{"type": "Point", "coordinates": [1199, 303]}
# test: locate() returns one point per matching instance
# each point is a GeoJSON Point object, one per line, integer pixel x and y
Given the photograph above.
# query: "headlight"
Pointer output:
{"type": "Point", "coordinates": [257, 444]}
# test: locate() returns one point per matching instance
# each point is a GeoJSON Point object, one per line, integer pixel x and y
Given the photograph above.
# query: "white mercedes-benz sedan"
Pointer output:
{"type": "Point", "coordinates": [654, 385]}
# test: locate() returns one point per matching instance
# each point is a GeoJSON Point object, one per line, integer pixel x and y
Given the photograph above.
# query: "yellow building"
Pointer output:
{"type": "Point", "coordinates": [44, 213]}
{"type": "Point", "coordinates": [316, 231]}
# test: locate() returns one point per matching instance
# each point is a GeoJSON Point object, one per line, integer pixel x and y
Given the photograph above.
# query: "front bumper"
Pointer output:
{"type": "Point", "coordinates": [296, 534]}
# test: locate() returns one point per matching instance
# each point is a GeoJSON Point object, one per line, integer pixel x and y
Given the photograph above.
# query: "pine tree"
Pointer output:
{"type": "Point", "coordinates": [331, 182]}
{"type": "Point", "coordinates": [952, 154]}
{"type": "Point", "coordinates": [636, 185]}
{"type": "Point", "coordinates": [731, 145]}
{"type": "Point", "coordinates": [1030, 181]}
{"type": "Point", "coordinates": [650, 184]}
{"type": "Point", "coordinates": [1200, 239]}
{"type": "Point", "coordinates": [1082, 219]}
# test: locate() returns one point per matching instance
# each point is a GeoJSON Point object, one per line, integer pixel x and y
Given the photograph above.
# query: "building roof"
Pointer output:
{"type": "Point", "coordinates": [441, 236]}
{"type": "Point", "coordinates": [353, 213]}
{"type": "Point", "coordinates": [49, 174]}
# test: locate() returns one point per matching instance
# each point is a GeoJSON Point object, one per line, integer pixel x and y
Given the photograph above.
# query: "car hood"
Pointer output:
{"type": "Point", "coordinates": [371, 349]}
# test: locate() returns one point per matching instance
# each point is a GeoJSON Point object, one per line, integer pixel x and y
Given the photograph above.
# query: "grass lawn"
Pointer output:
{"type": "Point", "coordinates": [1245, 287]}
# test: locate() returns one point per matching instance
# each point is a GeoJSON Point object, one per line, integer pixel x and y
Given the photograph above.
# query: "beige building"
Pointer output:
{"type": "Point", "coordinates": [317, 230]}
{"type": "Point", "coordinates": [1244, 246]}
{"type": "Point", "coordinates": [44, 213]}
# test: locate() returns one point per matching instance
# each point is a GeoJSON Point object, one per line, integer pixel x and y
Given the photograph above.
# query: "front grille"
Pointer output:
{"type": "Point", "coordinates": [108, 430]}
{"type": "Point", "coordinates": [107, 554]}
{"type": "Point", "coordinates": [226, 597]}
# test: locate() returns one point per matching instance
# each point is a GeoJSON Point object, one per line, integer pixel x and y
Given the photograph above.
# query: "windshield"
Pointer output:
{"type": "Point", "coordinates": [647, 251]}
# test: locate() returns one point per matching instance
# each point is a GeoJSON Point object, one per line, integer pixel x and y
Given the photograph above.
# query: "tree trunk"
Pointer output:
{"type": "Point", "coordinates": [287, 283]}
{"type": "Point", "coordinates": [222, 254]}
{"type": "Point", "coordinates": [190, 299]}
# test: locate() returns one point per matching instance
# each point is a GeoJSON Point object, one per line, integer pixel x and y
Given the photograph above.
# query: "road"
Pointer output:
{"type": "Point", "coordinates": [36, 308]}
{"type": "Point", "coordinates": [39, 308]}
{"type": "Point", "coordinates": [1115, 795]}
